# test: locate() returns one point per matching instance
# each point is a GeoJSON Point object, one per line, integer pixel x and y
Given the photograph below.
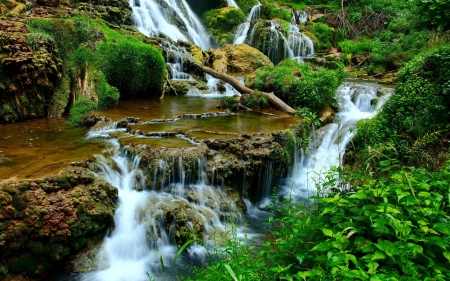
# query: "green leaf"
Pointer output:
{"type": "Point", "coordinates": [231, 272]}
{"type": "Point", "coordinates": [378, 255]}
{"type": "Point", "coordinates": [181, 250]}
{"type": "Point", "coordinates": [446, 255]}
{"type": "Point", "coordinates": [322, 247]}
{"type": "Point", "coordinates": [327, 232]}
{"type": "Point", "coordinates": [442, 227]}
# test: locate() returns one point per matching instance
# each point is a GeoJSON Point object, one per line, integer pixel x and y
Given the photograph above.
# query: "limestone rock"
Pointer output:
{"type": "Point", "coordinates": [239, 59]}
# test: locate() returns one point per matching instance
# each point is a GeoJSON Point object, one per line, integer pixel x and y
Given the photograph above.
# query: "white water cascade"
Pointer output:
{"type": "Point", "coordinates": [327, 150]}
{"type": "Point", "coordinates": [299, 17]}
{"type": "Point", "coordinates": [154, 20]}
{"type": "Point", "coordinates": [144, 237]}
{"type": "Point", "coordinates": [232, 3]}
{"type": "Point", "coordinates": [295, 46]}
{"type": "Point", "coordinates": [242, 29]}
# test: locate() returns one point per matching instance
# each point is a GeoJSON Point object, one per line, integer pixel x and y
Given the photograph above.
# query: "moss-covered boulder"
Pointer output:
{"type": "Point", "coordinates": [114, 11]}
{"type": "Point", "coordinates": [239, 59]}
{"type": "Point", "coordinates": [29, 71]}
{"type": "Point", "coordinates": [43, 221]}
{"type": "Point", "coordinates": [221, 23]}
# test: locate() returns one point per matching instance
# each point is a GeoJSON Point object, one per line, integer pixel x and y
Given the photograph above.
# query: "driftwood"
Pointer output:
{"type": "Point", "coordinates": [274, 100]}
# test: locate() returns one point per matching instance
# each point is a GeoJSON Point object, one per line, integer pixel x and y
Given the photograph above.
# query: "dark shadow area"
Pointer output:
{"type": "Point", "coordinates": [200, 6]}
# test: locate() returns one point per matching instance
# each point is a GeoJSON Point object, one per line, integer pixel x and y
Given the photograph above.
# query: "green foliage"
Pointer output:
{"type": "Point", "coordinates": [108, 96]}
{"type": "Point", "coordinates": [60, 98]}
{"type": "Point", "coordinates": [231, 103]}
{"type": "Point", "coordinates": [271, 10]}
{"type": "Point", "coordinates": [392, 227]}
{"type": "Point", "coordinates": [324, 34]}
{"type": "Point", "coordinates": [434, 13]}
{"type": "Point", "coordinates": [221, 22]}
{"type": "Point", "coordinates": [256, 100]}
{"type": "Point", "coordinates": [246, 5]}
{"type": "Point", "coordinates": [134, 68]}
{"type": "Point", "coordinates": [81, 107]}
{"type": "Point", "coordinates": [36, 39]}
{"type": "Point", "coordinates": [298, 85]}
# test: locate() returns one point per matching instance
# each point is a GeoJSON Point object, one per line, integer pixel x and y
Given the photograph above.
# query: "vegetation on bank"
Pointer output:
{"type": "Point", "coordinates": [394, 226]}
{"type": "Point", "coordinates": [298, 85]}
{"type": "Point", "coordinates": [385, 215]}
{"type": "Point", "coordinates": [116, 62]}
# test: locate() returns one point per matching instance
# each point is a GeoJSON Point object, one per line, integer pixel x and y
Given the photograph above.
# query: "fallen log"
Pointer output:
{"type": "Point", "coordinates": [277, 102]}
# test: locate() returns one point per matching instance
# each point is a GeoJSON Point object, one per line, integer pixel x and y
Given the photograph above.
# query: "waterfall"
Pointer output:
{"type": "Point", "coordinates": [299, 17]}
{"type": "Point", "coordinates": [354, 102]}
{"type": "Point", "coordinates": [177, 200]}
{"type": "Point", "coordinates": [232, 3]}
{"type": "Point", "coordinates": [171, 18]}
{"type": "Point", "coordinates": [295, 46]}
{"type": "Point", "coordinates": [298, 45]}
{"type": "Point", "coordinates": [242, 29]}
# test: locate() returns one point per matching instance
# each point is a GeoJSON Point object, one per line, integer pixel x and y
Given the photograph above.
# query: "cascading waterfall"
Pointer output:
{"type": "Point", "coordinates": [295, 46]}
{"type": "Point", "coordinates": [242, 29]}
{"type": "Point", "coordinates": [299, 17]}
{"type": "Point", "coordinates": [143, 235]}
{"type": "Point", "coordinates": [232, 3]}
{"type": "Point", "coordinates": [154, 20]}
{"type": "Point", "coordinates": [175, 60]}
{"type": "Point", "coordinates": [354, 102]}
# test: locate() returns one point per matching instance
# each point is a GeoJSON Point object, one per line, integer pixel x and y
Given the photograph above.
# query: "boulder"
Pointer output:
{"type": "Point", "coordinates": [239, 59]}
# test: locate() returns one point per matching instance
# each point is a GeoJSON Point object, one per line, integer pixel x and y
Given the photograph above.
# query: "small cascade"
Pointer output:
{"type": "Point", "coordinates": [232, 3]}
{"type": "Point", "coordinates": [269, 38]}
{"type": "Point", "coordinates": [328, 149]}
{"type": "Point", "coordinates": [242, 29]}
{"type": "Point", "coordinates": [213, 89]}
{"type": "Point", "coordinates": [170, 18]}
{"type": "Point", "coordinates": [299, 17]}
{"type": "Point", "coordinates": [175, 60]}
{"type": "Point", "coordinates": [155, 206]}
{"type": "Point", "coordinates": [298, 45]}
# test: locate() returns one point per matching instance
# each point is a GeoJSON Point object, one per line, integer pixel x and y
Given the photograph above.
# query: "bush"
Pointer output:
{"type": "Point", "coordinates": [81, 107]}
{"type": "Point", "coordinates": [108, 97]}
{"type": "Point", "coordinates": [133, 68]}
{"type": "Point", "coordinates": [386, 228]}
{"type": "Point", "coordinates": [272, 10]}
{"type": "Point", "coordinates": [324, 34]}
{"type": "Point", "coordinates": [298, 85]}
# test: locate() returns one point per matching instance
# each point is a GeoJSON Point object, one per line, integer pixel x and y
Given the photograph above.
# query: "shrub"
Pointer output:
{"type": "Point", "coordinates": [81, 107]}
{"type": "Point", "coordinates": [133, 68]}
{"type": "Point", "coordinates": [298, 85]}
{"type": "Point", "coordinates": [324, 34]}
{"type": "Point", "coordinates": [108, 96]}
{"type": "Point", "coordinates": [386, 228]}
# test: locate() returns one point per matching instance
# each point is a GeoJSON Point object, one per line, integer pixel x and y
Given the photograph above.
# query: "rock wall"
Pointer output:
{"type": "Point", "coordinates": [29, 71]}
{"type": "Point", "coordinates": [43, 221]}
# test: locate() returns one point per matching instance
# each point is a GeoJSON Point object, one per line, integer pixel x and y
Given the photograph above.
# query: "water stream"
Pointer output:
{"type": "Point", "coordinates": [145, 236]}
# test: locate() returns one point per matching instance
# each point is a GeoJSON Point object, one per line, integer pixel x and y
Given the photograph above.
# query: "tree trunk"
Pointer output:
{"type": "Point", "coordinates": [278, 103]}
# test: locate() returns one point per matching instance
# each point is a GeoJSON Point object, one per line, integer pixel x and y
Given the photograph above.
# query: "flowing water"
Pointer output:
{"type": "Point", "coordinates": [329, 142]}
{"type": "Point", "coordinates": [171, 18]}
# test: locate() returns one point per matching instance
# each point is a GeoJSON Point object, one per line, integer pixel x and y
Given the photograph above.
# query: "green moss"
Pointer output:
{"type": "Point", "coordinates": [81, 107]}
{"type": "Point", "coordinates": [108, 96]}
{"type": "Point", "coordinates": [256, 100]}
{"type": "Point", "coordinates": [220, 22]}
{"type": "Point", "coordinates": [60, 98]}
{"type": "Point", "coordinates": [246, 5]}
{"type": "Point", "coordinates": [324, 35]}
{"type": "Point", "coordinates": [133, 68]}
{"type": "Point", "coordinates": [231, 103]}
{"type": "Point", "coordinates": [271, 10]}
{"type": "Point", "coordinates": [28, 262]}
{"type": "Point", "coordinates": [298, 85]}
